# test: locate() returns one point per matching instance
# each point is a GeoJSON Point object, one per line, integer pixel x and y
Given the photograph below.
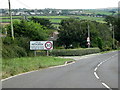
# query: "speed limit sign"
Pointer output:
{"type": "Point", "coordinates": [49, 45]}
{"type": "Point", "coordinates": [41, 45]}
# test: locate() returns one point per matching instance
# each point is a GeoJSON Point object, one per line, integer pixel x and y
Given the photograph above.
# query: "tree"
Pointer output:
{"type": "Point", "coordinates": [115, 21]}
{"type": "Point", "coordinates": [43, 21]}
{"type": "Point", "coordinates": [110, 20]}
{"type": "Point", "coordinates": [75, 32]}
{"type": "Point", "coordinates": [72, 33]}
{"type": "Point", "coordinates": [32, 30]}
{"type": "Point", "coordinates": [100, 43]}
{"type": "Point", "coordinates": [117, 29]}
{"type": "Point", "coordinates": [105, 34]}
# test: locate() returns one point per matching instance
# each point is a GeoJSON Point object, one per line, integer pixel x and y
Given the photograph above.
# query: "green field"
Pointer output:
{"type": "Point", "coordinates": [98, 12]}
{"type": "Point", "coordinates": [15, 66]}
{"type": "Point", "coordinates": [56, 19]}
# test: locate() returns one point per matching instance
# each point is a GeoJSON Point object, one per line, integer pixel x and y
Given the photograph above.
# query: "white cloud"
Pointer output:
{"type": "Point", "coordinates": [60, 4]}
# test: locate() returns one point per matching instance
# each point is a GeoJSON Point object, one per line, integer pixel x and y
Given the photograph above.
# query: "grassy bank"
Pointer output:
{"type": "Point", "coordinates": [15, 66]}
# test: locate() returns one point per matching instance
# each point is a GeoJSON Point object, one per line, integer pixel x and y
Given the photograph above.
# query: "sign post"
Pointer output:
{"type": "Point", "coordinates": [47, 53]}
{"type": "Point", "coordinates": [41, 45]}
{"type": "Point", "coordinates": [35, 53]}
{"type": "Point", "coordinates": [88, 40]}
{"type": "Point", "coordinates": [48, 46]}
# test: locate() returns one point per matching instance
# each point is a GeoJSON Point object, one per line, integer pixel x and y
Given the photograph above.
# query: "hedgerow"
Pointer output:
{"type": "Point", "coordinates": [74, 52]}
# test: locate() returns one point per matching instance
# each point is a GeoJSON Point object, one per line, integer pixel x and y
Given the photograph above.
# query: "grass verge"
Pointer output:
{"type": "Point", "coordinates": [11, 67]}
{"type": "Point", "coordinates": [108, 51]}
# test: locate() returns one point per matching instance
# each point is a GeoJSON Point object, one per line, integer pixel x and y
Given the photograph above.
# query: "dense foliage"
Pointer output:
{"type": "Point", "coordinates": [33, 31]}
{"type": "Point", "coordinates": [24, 32]}
{"type": "Point", "coordinates": [115, 24]}
{"type": "Point", "coordinates": [74, 33]}
{"type": "Point", "coordinates": [42, 21]}
{"type": "Point", "coordinates": [74, 52]}
{"type": "Point", "coordinates": [69, 52]}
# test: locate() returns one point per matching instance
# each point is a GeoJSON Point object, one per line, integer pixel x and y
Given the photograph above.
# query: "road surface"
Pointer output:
{"type": "Point", "coordinates": [81, 74]}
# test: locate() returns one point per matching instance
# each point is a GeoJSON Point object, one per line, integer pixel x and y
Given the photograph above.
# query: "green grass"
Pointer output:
{"type": "Point", "coordinates": [98, 12]}
{"type": "Point", "coordinates": [108, 51]}
{"type": "Point", "coordinates": [57, 19]}
{"type": "Point", "coordinates": [15, 66]}
{"type": "Point", "coordinates": [51, 17]}
{"type": "Point", "coordinates": [8, 20]}
{"type": "Point", "coordinates": [1, 17]}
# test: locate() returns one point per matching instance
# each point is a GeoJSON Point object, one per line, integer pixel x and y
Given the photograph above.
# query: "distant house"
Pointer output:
{"type": "Point", "coordinates": [54, 36]}
{"type": "Point", "coordinates": [32, 13]}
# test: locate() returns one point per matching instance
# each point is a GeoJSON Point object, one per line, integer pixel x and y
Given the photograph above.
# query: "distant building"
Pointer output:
{"type": "Point", "coordinates": [54, 36]}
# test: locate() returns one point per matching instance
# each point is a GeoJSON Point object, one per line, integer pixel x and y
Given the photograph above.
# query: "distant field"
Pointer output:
{"type": "Point", "coordinates": [98, 12]}
{"type": "Point", "coordinates": [55, 19]}
{"type": "Point", "coordinates": [60, 17]}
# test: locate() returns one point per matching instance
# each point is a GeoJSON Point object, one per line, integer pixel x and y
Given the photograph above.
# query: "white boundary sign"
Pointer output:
{"type": "Point", "coordinates": [41, 45]}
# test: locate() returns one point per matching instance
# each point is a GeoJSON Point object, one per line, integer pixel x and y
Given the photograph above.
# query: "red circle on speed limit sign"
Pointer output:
{"type": "Point", "coordinates": [48, 45]}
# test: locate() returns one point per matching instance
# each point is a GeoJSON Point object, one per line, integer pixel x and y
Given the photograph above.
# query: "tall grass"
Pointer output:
{"type": "Point", "coordinates": [15, 66]}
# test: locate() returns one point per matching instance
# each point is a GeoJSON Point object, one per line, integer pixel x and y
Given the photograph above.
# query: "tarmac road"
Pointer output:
{"type": "Point", "coordinates": [80, 74]}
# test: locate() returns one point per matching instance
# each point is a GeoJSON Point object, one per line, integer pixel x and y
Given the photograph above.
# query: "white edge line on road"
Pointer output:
{"type": "Point", "coordinates": [18, 75]}
{"type": "Point", "coordinates": [106, 86]}
{"type": "Point", "coordinates": [95, 69]}
{"type": "Point", "coordinates": [96, 75]}
{"type": "Point", "coordinates": [35, 71]}
{"type": "Point", "coordinates": [62, 65]}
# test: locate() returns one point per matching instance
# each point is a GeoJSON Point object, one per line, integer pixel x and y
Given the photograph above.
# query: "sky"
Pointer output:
{"type": "Point", "coordinates": [59, 4]}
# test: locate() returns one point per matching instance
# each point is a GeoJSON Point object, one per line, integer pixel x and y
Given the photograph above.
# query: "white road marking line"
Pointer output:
{"type": "Point", "coordinates": [96, 75]}
{"type": "Point", "coordinates": [18, 75]}
{"type": "Point", "coordinates": [95, 69]}
{"type": "Point", "coordinates": [104, 84]}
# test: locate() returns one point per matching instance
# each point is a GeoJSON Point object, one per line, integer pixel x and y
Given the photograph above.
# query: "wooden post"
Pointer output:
{"type": "Point", "coordinates": [10, 13]}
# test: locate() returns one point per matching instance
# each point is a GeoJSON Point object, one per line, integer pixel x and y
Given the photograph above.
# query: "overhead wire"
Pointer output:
{"type": "Point", "coordinates": [23, 4]}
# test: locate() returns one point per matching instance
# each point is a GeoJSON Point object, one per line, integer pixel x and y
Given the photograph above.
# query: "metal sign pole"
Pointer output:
{"type": "Point", "coordinates": [47, 53]}
{"type": "Point", "coordinates": [34, 53]}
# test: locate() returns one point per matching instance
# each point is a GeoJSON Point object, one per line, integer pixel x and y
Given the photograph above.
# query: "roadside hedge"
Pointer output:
{"type": "Point", "coordinates": [13, 51]}
{"type": "Point", "coordinates": [69, 52]}
{"type": "Point", "coordinates": [74, 52]}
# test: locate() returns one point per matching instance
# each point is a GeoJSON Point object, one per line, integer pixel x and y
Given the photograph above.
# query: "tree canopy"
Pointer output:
{"type": "Point", "coordinates": [32, 30]}
{"type": "Point", "coordinates": [115, 21]}
{"type": "Point", "coordinates": [42, 21]}
{"type": "Point", "coordinates": [74, 33]}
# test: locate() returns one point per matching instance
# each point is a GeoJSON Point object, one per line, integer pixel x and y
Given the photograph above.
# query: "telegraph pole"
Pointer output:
{"type": "Point", "coordinates": [88, 38]}
{"type": "Point", "coordinates": [10, 13]}
{"type": "Point", "coordinates": [113, 35]}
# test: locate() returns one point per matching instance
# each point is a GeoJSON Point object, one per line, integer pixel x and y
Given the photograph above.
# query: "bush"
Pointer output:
{"type": "Point", "coordinates": [106, 48]}
{"type": "Point", "coordinates": [13, 51]}
{"type": "Point", "coordinates": [73, 52]}
{"type": "Point", "coordinates": [8, 40]}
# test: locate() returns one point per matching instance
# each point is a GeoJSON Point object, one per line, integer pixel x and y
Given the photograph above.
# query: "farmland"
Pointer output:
{"type": "Point", "coordinates": [54, 19]}
{"type": "Point", "coordinates": [56, 15]}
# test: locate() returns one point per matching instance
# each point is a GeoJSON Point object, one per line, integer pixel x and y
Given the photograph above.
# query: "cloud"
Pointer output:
{"type": "Point", "coordinates": [60, 4]}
